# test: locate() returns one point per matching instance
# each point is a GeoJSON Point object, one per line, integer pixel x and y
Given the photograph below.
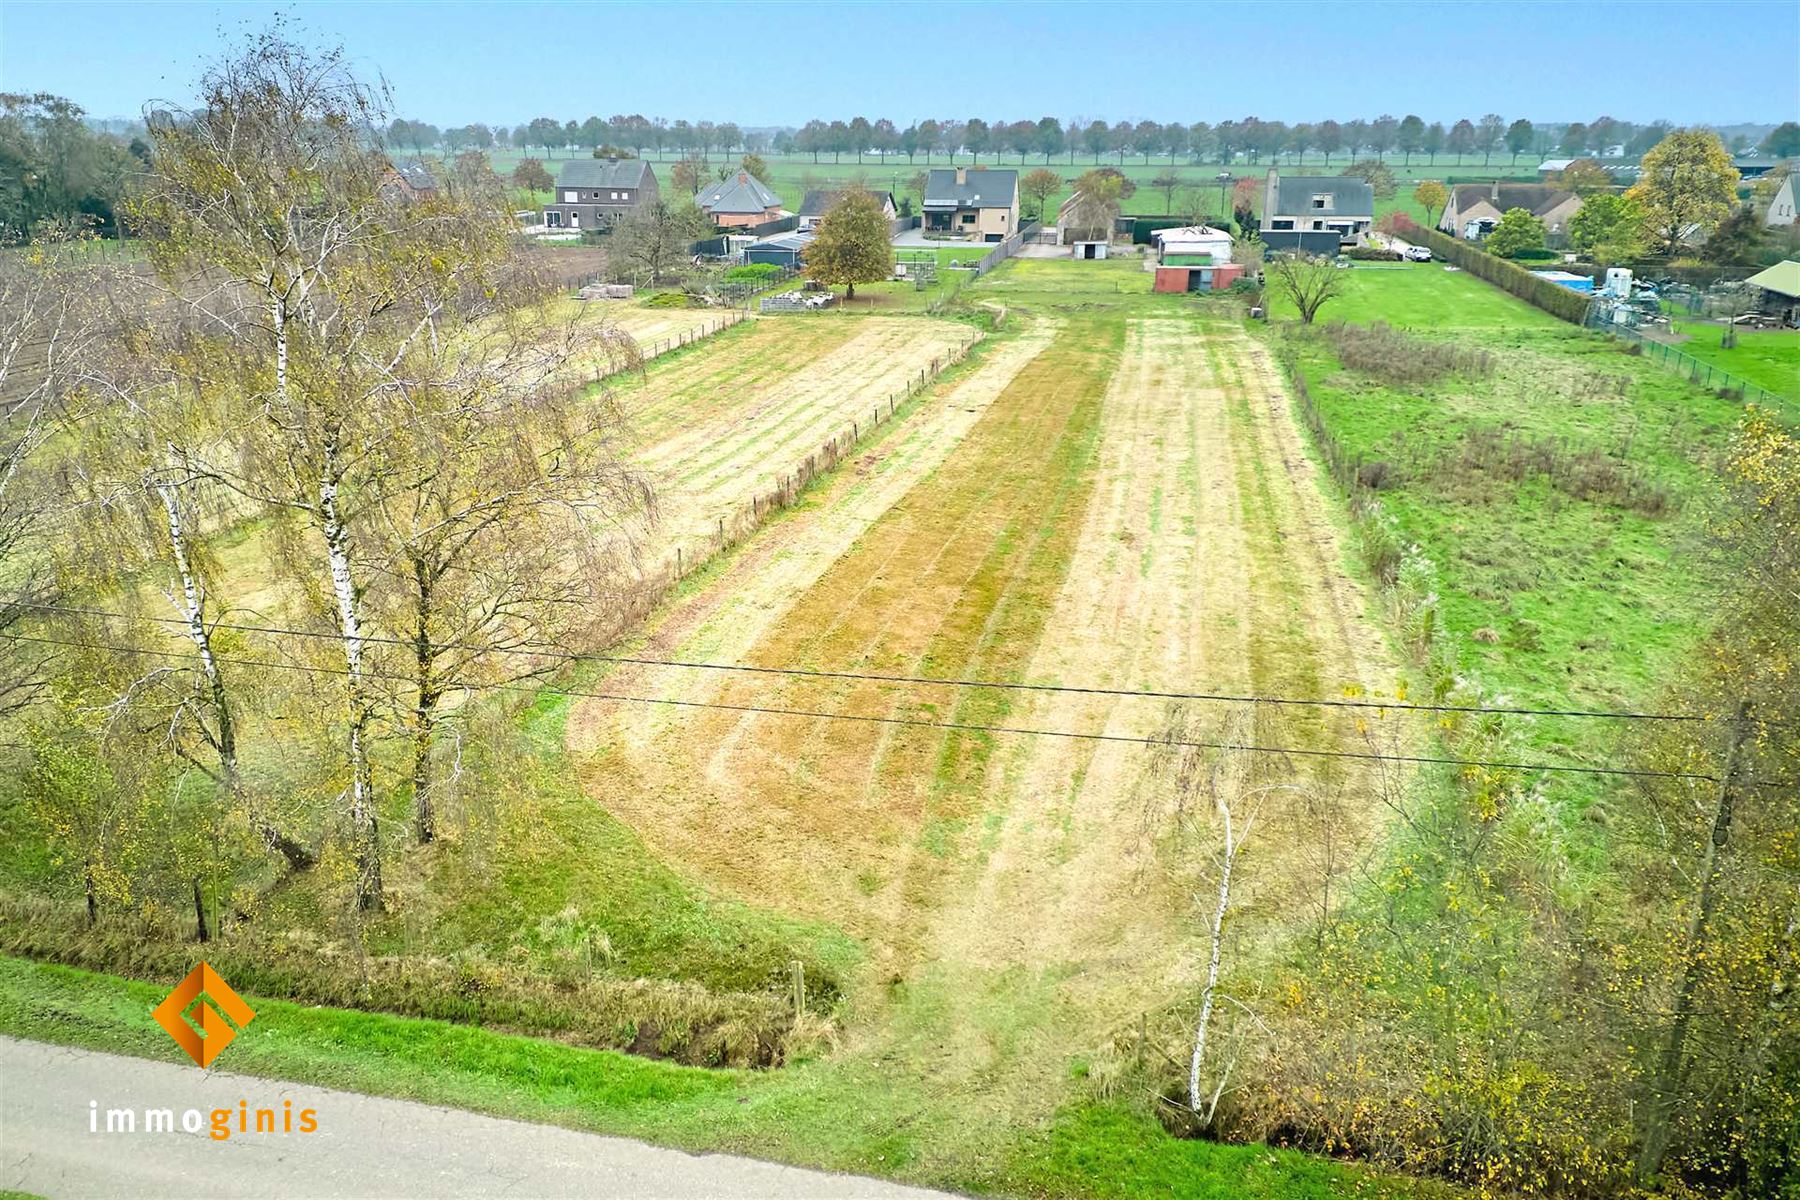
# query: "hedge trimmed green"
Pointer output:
{"type": "Point", "coordinates": [1553, 298]}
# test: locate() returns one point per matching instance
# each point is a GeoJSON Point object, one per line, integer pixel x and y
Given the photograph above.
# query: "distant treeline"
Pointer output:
{"type": "Point", "coordinates": [1048, 137]}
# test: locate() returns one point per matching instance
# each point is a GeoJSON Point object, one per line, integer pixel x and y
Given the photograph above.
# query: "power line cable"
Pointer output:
{"type": "Point", "coordinates": [922, 680]}
{"type": "Point", "coordinates": [955, 726]}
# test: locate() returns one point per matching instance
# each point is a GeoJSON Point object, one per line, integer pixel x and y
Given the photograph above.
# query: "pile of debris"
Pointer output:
{"type": "Point", "coordinates": [606, 291]}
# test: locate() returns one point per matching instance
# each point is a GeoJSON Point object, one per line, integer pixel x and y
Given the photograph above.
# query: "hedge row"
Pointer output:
{"type": "Point", "coordinates": [1553, 298]}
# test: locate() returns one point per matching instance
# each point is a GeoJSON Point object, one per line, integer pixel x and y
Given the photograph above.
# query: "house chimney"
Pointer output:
{"type": "Point", "coordinates": [962, 176]}
{"type": "Point", "coordinates": [1495, 194]}
{"type": "Point", "coordinates": [1271, 195]}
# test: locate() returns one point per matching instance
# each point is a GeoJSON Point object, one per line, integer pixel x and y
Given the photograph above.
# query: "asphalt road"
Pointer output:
{"type": "Point", "coordinates": [363, 1147]}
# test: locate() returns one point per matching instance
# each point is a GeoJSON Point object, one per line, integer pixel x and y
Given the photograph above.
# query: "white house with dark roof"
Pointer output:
{"type": "Point", "coordinates": [591, 193]}
{"type": "Point", "coordinates": [738, 201]}
{"type": "Point", "coordinates": [1315, 213]}
{"type": "Point", "coordinates": [973, 203]}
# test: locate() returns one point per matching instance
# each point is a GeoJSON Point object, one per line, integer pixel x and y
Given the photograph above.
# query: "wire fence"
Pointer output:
{"type": "Point", "coordinates": [1697, 370]}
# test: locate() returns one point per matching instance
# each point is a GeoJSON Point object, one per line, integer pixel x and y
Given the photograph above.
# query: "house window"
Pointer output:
{"type": "Point", "coordinates": [1283, 223]}
{"type": "Point", "coordinates": [552, 219]}
{"type": "Point", "coordinates": [571, 197]}
{"type": "Point", "coordinates": [968, 218]}
{"type": "Point", "coordinates": [1318, 224]}
{"type": "Point", "coordinates": [1322, 201]}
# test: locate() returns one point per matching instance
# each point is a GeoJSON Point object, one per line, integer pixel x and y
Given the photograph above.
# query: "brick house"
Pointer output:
{"type": "Point", "coordinates": [739, 201]}
{"type": "Point", "coordinates": [974, 203]}
{"type": "Point", "coordinates": [592, 193]}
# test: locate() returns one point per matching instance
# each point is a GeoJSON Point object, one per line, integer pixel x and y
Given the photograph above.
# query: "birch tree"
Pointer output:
{"type": "Point", "coordinates": [146, 508]}
{"type": "Point", "coordinates": [270, 225]}
{"type": "Point", "coordinates": [504, 486]}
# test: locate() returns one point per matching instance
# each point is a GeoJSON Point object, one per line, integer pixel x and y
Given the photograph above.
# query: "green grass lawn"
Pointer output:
{"type": "Point", "coordinates": [1770, 358]}
{"type": "Point", "coordinates": [1425, 297]}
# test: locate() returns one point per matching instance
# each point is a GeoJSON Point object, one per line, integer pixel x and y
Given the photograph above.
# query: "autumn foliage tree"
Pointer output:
{"type": "Point", "coordinates": [1686, 185]}
{"type": "Point", "coordinates": [854, 244]}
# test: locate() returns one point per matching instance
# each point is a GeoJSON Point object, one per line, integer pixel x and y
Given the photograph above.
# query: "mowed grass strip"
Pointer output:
{"type": "Point", "coordinates": [954, 579]}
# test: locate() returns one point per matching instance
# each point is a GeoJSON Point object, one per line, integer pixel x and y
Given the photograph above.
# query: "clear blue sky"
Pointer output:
{"type": "Point", "coordinates": [1716, 61]}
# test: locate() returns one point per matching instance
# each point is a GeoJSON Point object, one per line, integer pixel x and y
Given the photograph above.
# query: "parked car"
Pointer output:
{"type": "Point", "coordinates": [1418, 253]}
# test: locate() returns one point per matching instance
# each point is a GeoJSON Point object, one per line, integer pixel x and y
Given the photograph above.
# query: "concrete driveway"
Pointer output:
{"type": "Point", "coordinates": [363, 1146]}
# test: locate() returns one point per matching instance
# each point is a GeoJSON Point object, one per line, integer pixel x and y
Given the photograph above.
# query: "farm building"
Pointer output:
{"type": "Point", "coordinates": [978, 204]}
{"type": "Point", "coordinates": [819, 201]}
{"type": "Point", "coordinates": [1780, 291]}
{"type": "Point", "coordinates": [1475, 208]}
{"type": "Point", "coordinates": [1191, 245]}
{"type": "Point", "coordinates": [1088, 249]}
{"type": "Point", "coordinates": [1781, 207]}
{"type": "Point", "coordinates": [739, 200]}
{"type": "Point", "coordinates": [1318, 214]}
{"type": "Point", "coordinates": [1198, 278]}
{"type": "Point", "coordinates": [783, 249]}
{"type": "Point", "coordinates": [592, 193]}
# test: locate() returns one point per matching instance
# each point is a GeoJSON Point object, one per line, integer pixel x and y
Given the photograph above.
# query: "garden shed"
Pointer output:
{"type": "Point", "coordinates": [1089, 249]}
{"type": "Point", "coordinates": [1780, 292]}
{"type": "Point", "coordinates": [1192, 245]}
{"type": "Point", "coordinates": [783, 250]}
{"type": "Point", "coordinates": [1198, 278]}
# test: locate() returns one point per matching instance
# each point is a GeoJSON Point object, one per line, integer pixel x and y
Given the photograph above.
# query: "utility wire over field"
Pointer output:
{"type": "Point", "coordinates": [563, 657]}
{"type": "Point", "coordinates": [949, 726]}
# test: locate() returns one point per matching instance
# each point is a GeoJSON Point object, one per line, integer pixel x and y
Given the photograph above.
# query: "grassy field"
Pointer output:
{"type": "Point", "coordinates": [1572, 583]}
{"type": "Point", "coordinates": [1093, 497]}
{"type": "Point", "coordinates": [1769, 359]}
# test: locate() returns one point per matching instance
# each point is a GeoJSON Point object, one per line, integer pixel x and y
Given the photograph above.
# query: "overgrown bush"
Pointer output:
{"type": "Point", "coordinates": [1584, 474]}
{"type": "Point", "coordinates": [1372, 254]}
{"type": "Point", "coordinates": [1400, 359]}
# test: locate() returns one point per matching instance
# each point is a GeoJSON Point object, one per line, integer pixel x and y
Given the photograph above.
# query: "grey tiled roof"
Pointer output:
{"type": "Point", "coordinates": [819, 200]}
{"type": "Point", "coordinates": [740, 192]}
{"type": "Point", "coordinates": [602, 173]}
{"type": "Point", "coordinates": [1350, 196]}
{"type": "Point", "coordinates": [417, 176]}
{"type": "Point", "coordinates": [982, 188]}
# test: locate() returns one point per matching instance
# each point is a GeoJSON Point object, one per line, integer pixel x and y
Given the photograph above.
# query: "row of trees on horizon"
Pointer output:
{"type": "Point", "coordinates": [1048, 138]}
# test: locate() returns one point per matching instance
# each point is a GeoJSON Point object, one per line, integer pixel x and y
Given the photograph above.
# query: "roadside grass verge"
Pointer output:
{"type": "Point", "coordinates": [816, 1115]}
